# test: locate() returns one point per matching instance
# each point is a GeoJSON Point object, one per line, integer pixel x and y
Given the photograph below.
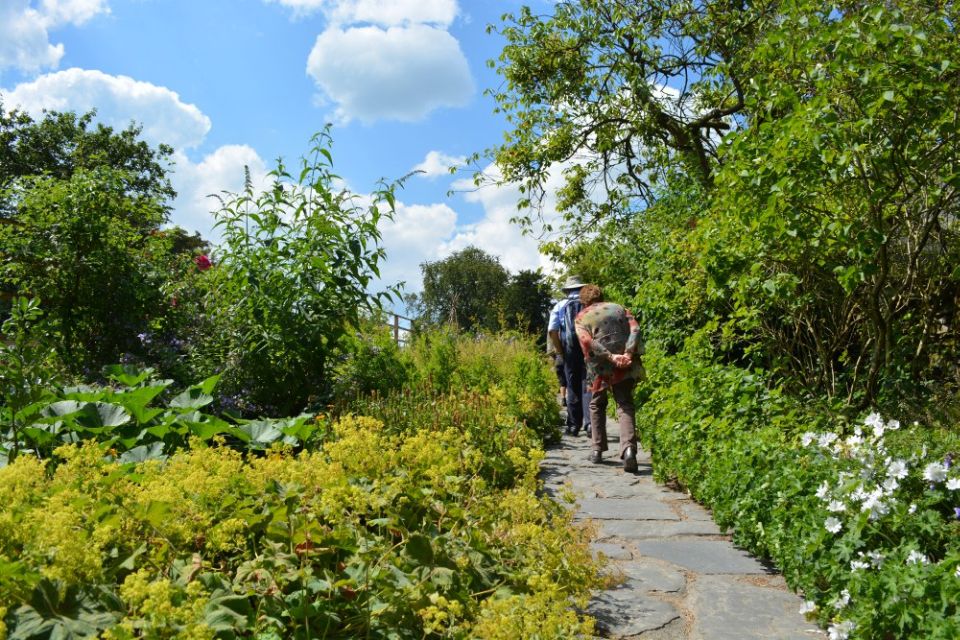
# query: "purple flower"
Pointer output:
{"type": "Point", "coordinates": [956, 512]}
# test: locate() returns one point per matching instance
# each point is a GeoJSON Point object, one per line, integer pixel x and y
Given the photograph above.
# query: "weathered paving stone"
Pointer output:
{"type": "Point", "coordinates": [625, 509]}
{"type": "Point", "coordinates": [692, 511]}
{"type": "Point", "coordinates": [646, 529]}
{"type": "Point", "coordinates": [625, 611]}
{"type": "Point", "coordinates": [611, 550]}
{"type": "Point", "coordinates": [702, 556]}
{"type": "Point", "coordinates": [647, 576]}
{"type": "Point", "coordinates": [728, 609]}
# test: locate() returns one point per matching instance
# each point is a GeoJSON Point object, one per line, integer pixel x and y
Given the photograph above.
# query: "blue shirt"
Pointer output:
{"type": "Point", "coordinates": [556, 314]}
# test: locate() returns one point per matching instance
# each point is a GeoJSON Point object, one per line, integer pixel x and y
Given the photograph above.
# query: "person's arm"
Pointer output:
{"type": "Point", "coordinates": [591, 349]}
{"type": "Point", "coordinates": [555, 341]}
{"type": "Point", "coordinates": [633, 340]}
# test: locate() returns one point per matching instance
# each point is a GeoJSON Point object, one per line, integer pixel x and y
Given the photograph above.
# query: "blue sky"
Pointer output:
{"type": "Point", "coordinates": [230, 83]}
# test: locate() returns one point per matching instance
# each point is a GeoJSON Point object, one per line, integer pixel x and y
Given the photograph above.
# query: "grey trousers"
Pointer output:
{"type": "Point", "coordinates": [623, 396]}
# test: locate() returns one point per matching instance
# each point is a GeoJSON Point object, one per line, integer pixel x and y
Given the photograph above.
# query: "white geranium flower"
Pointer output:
{"type": "Point", "coordinates": [897, 469]}
{"type": "Point", "coordinates": [935, 472]}
{"type": "Point", "coordinates": [876, 558]}
{"type": "Point", "coordinates": [841, 630]}
{"type": "Point", "coordinates": [836, 506]}
{"type": "Point", "coordinates": [875, 505]}
{"type": "Point", "coordinates": [833, 525]}
{"type": "Point", "coordinates": [826, 439]}
{"type": "Point", "coordinates": [893, 425]}
{"type": "Point", "coordinates": [890, 485]}
{"type": "Point", "coordinates": [957, 572]}
{"type": "Point", "coordinates": [912, 508]}
{"type": "Point", "coordinates": [873, 420]}
{"type": "Point", "coordinates": [809, 606]}
{"type": "Point", "coordinates": [857, 565]}
{"type": "Point", "coordinates": [953, 484]}
{"type": "Point", "coordinates": [842, 600]}
{"type": "Point", "coordinates": [916, 557]}
{"type": "Point", "coordinates": [823, 491]}
{"type": "Point", "coordinates": [808, 438]}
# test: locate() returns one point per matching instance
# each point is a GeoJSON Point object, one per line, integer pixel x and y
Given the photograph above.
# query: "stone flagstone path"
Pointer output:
{"type": "Point", "coordinates": [682, 579]}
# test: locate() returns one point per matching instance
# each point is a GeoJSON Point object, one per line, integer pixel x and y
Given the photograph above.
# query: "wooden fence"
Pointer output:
{"type": "Point", "coordinates": [401, 332]}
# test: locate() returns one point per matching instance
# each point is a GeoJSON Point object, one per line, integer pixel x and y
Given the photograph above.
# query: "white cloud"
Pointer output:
{"type": "Point", "coordinates": [25, 26]}
{"type": "Point", "coordinates": [118, 100]}
{"type": "Point", "coordinates": [495, 233]}
{"type": "Point", "coordinates": [415, 235]}
{"type": "Point", "coordinates": [219, 171]}
{"type": "Point", "coordinates": [400, 73]}
{"type": "Point", "coordinates": [381, 12]}
{"type": "Point", "coordinates": [437, 164]}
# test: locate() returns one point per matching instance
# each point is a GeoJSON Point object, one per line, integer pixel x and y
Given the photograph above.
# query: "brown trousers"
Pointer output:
{"type": "Point", "coordinates": [623, 396]}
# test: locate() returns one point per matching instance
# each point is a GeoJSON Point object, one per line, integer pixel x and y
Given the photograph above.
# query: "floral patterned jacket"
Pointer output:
{"type": "Point", "coordinates": [606, 329]}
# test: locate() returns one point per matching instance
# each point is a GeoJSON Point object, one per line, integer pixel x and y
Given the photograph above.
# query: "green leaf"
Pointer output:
{"type": "Point", "coordinates": [418, 547]}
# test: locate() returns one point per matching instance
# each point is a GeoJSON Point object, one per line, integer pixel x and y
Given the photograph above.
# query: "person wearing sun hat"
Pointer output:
{"type": "Point", "coordinates": [562, 333]}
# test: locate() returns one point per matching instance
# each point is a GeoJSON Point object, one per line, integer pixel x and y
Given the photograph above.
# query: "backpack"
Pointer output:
{"type": "Point", "coordinates": [568, 329]}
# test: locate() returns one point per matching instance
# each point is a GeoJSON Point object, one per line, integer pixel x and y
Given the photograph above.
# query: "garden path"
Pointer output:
{"type": "Point", "coordinates": [682, 578]}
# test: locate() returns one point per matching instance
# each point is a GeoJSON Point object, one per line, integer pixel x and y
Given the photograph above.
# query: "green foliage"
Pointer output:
{"type": "Point", "coordinates": [369, 361]}
{"type": "Point", "coordinates": [290, 279]}
{"type": "Point", "coordinates": [83, 245]}
{"type": "Point", "coordinates": [135, 417]}
{"type": "Point", "coordinates": [427, 526]}
{"type": "Point", "coordinates": [738, 446]}
{"type": "Point", "coordinates": [60, 144]}
{"type": "Point", "coordinates": [28, 366]}
{"type": "Point", "coordinates": [835, 229]}
{"type": "Point", "coordinates": [464, 289]}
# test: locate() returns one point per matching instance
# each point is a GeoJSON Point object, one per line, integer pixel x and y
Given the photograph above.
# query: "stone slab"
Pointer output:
{"type": "Point", "coordinates": [646, 576]}
{"type": "Point", "coordinates": [647, 529]}
{"type": "Point", "coordinates": [625, 612]}
{"type": "Point", "coordinates": [702, 556]}
{"type": "Point", "coordinates": [625, 509]}
{"type": "Point", "coordinates": [725, 608]}
{"type": "Point", "coordinates": [611, 550]}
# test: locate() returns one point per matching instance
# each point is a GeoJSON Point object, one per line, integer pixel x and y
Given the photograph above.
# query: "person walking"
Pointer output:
{"type": "Point", "coordinates": [562, 332]}
{"type": "Point", "coordinates": [610, 341]}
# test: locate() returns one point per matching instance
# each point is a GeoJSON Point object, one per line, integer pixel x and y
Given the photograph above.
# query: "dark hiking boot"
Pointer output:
{"type": "Point", "coordinates": [595, 457]}
{"type": "Point", "coordinates": [630, 461]}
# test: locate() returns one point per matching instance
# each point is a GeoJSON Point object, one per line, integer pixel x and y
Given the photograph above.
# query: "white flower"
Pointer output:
{"type": "Point", "coordinates": [876, 558]}
{"type": "Point", "coordinates": [872, 499]}
{"type": "Point", "coordinates": [859, 495]}
{"type": "Point", "coordinates": [893, 425]}
{"type": "Point", "coordinates": [873, 420]}
{"type": "Point", "coordinates": [854, 441]}
{"type": "Point", "coordinates": [833, 525]}
{"type": "Point", "coordinates": [823, 491]}
{"type": "Point", "coordinates": [836, 506]}
{"type": "Point", "coordinates": [957, 572]}
{"type": "Point", "coordinates": [890, 485]}
{"type": "Point", "coordinates": [916, 557]}
{"type": "Point", "coordinates": [935, 472]}
{"type": "Point", "coordinates": [842, 600]}
{"type": "Point", "coordinates": [856, 565]}
{"type": "Point", "coordinates": [841, 630]}
{"type": "Point", "coordinates": [809, 606]}
{"type": "Point", "coordinates": [808, 438]}
{"type": "Point", "coordinates": [912, 508]}
{"type": "Point", "coordinates": [826, 439]}
{"type": "Point", "coordinates": [897, 469]}
{"type": "Point", "coordinates": [953, 484]}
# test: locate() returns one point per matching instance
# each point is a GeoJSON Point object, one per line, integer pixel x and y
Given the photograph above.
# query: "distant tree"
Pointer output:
{"type": "Point", "coordinates": [464, 289]}
{"type": "Point", "coordinates": [526, 302]}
